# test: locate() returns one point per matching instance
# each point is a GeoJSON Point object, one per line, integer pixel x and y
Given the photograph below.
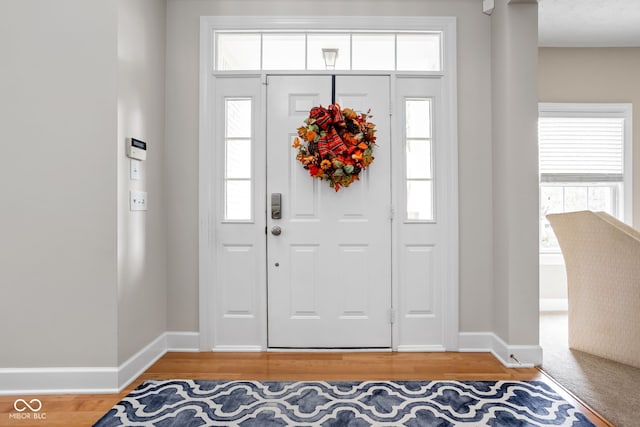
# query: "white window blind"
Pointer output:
{"type": "Point", "coordinates": [584, 162]}
{"type": "Point", "coordinates": [581, 149]}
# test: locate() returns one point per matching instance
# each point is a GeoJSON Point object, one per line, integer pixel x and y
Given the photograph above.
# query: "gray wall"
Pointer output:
{"type": "Point", "coordinates": [142, 236]}
{"type": "Point", "coordinates": [475, 164]}
{"type": "Point", "coordinates": [58, 112]}
{"type": "Point", "coordinates": [515, 171]}
{"type": "Point", "coordinates": [82, 279]}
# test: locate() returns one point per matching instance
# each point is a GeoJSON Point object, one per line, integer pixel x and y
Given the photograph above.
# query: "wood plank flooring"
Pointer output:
{"type": "Point", "coordinates": [86, 409]}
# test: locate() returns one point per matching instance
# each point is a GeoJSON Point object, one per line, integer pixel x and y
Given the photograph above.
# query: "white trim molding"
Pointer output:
{"type": "Point", "coordinates": [421, 348]}
{"type": "Point", "coordinates": [551, 305]}
{"type": "Point", "coordinates": [141, 361]}
{"type": "Point", "coordinates": [98, 380]}
{"type": "Point", "coordinates": [183, 341]}
{"type": "Point", "coordinates": [20, 381]}
{"type": "Point", "coordinates": [373, 23]}
{"type": "Point", "coordinates": [209, 325]}
{"type": "Point", "coordinates": [238, 348]}
{"type": "Point", "coordinates": [511, 356]}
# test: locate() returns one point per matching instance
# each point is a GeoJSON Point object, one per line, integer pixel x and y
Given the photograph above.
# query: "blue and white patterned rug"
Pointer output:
{"type": "Point", "coordinates": [191, 403]}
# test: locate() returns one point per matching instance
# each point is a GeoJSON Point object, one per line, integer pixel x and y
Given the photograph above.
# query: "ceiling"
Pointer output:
{"type": "Point", "coordinates": [584, 23]}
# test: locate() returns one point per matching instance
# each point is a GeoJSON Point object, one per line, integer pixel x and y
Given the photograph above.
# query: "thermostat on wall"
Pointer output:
{"type": "Point", "coordinates": [136, 149]}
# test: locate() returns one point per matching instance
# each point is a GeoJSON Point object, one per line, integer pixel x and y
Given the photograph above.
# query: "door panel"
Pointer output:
{"type": "Point", "coordinates": [329, 271]}
{"type": "Point", "coordinates": [238, 297]}
{"type": "Point", "coordinates": [425, 247]}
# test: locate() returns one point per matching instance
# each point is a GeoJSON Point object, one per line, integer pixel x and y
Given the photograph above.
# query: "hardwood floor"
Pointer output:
{"type": "Point", "coordinates": [86, 409]}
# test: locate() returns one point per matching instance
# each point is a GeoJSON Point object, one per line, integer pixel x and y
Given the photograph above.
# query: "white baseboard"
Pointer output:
{"type": "Point", "coordinates": [328, 350]}
{"type": "Point", "coordinates": [238, 348]}
{"type": "Point", "coordinates": [420, 348]}
{"type": "Point", "coordinates": [141, 361]}
{"type": "Point", "coordinates": [94, 380]}
{"type": "Point", "coordinates": [511, 356]}
{"type": "Point", "coordinates": [20, 381]}
{"type": "Point", "coordinates": [183, 341]}
{"type": "Point", "coordinates": [554, 304]}
{"type": "Point", "coordinates": [475, 342]}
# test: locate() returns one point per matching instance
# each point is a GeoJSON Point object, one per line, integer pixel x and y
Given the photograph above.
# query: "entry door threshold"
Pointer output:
{"type": "Point", "coordinates": [330, 350]}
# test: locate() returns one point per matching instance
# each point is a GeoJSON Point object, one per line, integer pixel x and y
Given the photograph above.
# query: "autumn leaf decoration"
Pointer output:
{"type": "Point", "coordinates": [336, 144]}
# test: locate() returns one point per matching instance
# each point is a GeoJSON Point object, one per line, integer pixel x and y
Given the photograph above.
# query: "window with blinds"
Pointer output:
{"type": "Point", "coordinates": [583, 161]}
{"type": "Point", "coordinates": [581, 148]}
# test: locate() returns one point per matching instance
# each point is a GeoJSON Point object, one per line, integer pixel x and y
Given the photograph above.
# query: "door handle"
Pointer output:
{"type": "Point", "coordinates": [276, 205]}
{"type": "Point", "coordinates": [276, 230]}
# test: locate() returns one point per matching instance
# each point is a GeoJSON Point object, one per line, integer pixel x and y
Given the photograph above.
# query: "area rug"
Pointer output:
{"type": "Point", "coordinates": [189, 403]}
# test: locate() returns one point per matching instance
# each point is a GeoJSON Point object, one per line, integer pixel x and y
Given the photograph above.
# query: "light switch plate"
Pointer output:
{"type": "Point", "coordinates": [135, 173]}
{"type": "Point", "coordinates": [138, 200]}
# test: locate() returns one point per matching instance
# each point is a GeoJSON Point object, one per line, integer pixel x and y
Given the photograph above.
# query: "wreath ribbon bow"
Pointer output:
{"type": "Point", "coordinates": [331, 142]}
{"type": "Point", "coordinates": [326, 119]}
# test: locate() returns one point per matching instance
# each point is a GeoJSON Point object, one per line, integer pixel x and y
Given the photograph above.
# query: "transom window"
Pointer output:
{"type": "Point", "coordinates": [381, 51]}
{"type": "Point", "coordinates": [584, 162]}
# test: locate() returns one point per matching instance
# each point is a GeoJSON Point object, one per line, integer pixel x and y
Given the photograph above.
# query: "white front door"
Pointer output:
{"type": "Point", "coordinates": [329, 270]}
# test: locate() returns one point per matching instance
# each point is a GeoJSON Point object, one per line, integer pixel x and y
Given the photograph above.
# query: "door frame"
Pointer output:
{"type": "Point", "coordinates": [208, 169]}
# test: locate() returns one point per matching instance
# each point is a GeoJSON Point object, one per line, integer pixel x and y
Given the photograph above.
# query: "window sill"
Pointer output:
{"type": "Point", "coordinates": [551, 258]}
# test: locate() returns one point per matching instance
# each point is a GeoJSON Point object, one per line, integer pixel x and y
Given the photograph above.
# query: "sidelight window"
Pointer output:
{"type": "Point", "coordinates": [418, 159]}
{"type": "Point", "coordinates": [238, 177]}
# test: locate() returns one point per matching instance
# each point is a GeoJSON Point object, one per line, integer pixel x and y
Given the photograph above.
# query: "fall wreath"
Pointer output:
{"type": "Point", "coordinates": [335, 144]}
